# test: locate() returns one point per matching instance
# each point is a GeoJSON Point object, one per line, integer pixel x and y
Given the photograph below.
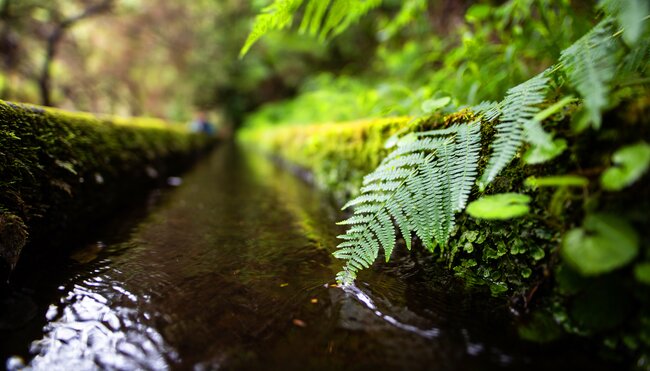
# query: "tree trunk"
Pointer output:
{"type": "Point", "coordinates": [53, 40]}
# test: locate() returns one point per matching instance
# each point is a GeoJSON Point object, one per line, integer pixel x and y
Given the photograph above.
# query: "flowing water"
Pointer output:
{"type": "Point", "coordinates": [233, 270]}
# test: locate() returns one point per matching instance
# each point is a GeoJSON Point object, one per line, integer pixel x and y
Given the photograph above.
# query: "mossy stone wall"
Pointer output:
{"type": "Point", "coordinates": [60, 172]}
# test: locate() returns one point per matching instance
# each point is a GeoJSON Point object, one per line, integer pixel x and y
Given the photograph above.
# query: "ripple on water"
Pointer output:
{"type": "Point", "coordinates": [86, 330]}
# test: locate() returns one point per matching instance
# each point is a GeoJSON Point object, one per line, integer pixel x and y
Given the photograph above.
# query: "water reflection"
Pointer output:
{"type": "Point", "coordinates": [92, 327]}
{"type": "Point", "coordinates": [365, 299]}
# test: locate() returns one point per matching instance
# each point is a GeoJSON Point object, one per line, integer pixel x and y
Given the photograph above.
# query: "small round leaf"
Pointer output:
{"type": "Point", "coordinates": [500, 206]}
{"type": "Point", "coordinates": [604, 243]}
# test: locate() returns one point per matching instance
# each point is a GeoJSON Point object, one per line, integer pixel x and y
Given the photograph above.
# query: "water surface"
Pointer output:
{"type": "Point", "coordinates": [233, 270]}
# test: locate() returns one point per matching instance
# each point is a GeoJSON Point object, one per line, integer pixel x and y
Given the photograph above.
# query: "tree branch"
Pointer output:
{"type": "Point", "coordinates": [53, 40]}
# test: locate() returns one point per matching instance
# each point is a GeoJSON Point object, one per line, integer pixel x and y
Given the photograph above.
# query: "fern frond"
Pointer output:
{"type": "Point", "coordinates": [417, 189]}
{"type": "Point", "coordinates": [313, 19]}
{"type": "Point", "coordinates": [322, 18]}
{"type": "Point", "coordinates": [517, 109]}
{"type": "Point", "coordinates": [590, 65]}
{"type": "Point", "coordinates": [276, 16]}
{"type": "Point", "coordinates": [631, 16]}
{"type": "Point", "coordinates": [636, 61]}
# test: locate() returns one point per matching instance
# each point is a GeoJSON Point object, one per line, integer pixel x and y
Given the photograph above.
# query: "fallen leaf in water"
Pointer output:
{"type": "Point", "coordinates": [314, 301]}
{"type": "Point", "coordinates": [284, 285]}
{"type": "Point", "coordinates": [299, 322]}
{"type": "Point", "coordinates": [87, 253]}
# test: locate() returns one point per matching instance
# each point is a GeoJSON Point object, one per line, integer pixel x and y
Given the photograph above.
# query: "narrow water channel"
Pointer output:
{"type": "Point", "coordinates": [233, 270]}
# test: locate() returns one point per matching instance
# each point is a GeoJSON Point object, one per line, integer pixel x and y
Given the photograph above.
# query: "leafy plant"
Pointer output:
{"type": "Point", "coordinates": [557, 181]}
{"type": "Point", "coordinates": [500, 206]}
{"type": "Point", "coordinates": [419, 186]}
{"type": "Point", "coordinates": [323, 18]}
{"type": "Point", "coordinates": [590, 65]}
{"type": "Point", "coordinates": [602, 244]}
{"type": "Point", "coordinates": [517, 110]}
{"type": "Point", "coordinates": [631, 162]}
{"type": "Point", "coordinates": [415, 188]}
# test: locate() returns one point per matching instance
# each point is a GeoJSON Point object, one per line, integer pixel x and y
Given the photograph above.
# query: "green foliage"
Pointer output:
{"type": "Point", "coordinates": [473, 61]}
{"type": "Point", "coordinates": [338, 155]}
{"type": "Point", "coordinates": [498, 47]}
{"type": "Point", "coordinates": [519, 118]}
{"type": "Point", "coordinates": [500, 206]}
{"type": "Point", "coordinates": [542, 145]}
{"type": "Point", "coordinates": [630, 14]}
{"type": "Point", "coordinates": [557, 181]}
{"type": "Point", "coordinates": [419, 186]}
{"type": "Point", "coordinates": [517, 110]}
{"type": "Point", "coordinates": [590, 65]}
{"type": "Point", "coordinates": [324, 18]}
{"type": "Point", "coordinates": [631, 162]}
{"type": "Point", "coordinates": [602, 244]}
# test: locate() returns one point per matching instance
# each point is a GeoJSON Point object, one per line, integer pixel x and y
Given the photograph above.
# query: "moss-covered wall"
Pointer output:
{"type": "Point", "coordinates": [337, 155]}
{"type": "Point", "coordinates": [61, 171]}
{"type": "Point", "coordinates": [518, 259]}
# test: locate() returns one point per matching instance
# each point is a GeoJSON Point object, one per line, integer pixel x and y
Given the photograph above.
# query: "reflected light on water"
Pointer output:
{"type": "Point", "coordinates": [90, 328]}
{"type": "Point", "coordinates": [365, 299]}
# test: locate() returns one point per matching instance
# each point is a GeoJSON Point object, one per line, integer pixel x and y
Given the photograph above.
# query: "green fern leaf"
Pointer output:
{"type": "Point", "coordinates": [322, 18]}
{"type": "Point", "coordinates": [313, 18]}
{"type": "Point", "coordinates": [590, 65]}
{"type": "Point", "coordinates": [636, 61]}
{"type": "Point", "coordinates": [276, 16]}
{"type": "Point", "coordinates": [416, 189]}
{"type": "Point", "coordinates": [631, 16]}
{"type": "Point", "coordinates": [518, 109]}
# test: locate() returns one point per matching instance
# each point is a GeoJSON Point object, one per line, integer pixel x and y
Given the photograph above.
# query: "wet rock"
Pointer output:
{"type": "Point", "coordinates": [13, 236]}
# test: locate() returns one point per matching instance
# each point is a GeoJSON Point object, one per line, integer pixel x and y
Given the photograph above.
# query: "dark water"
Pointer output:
{"type": "Point", "coordinates": [233, 270]}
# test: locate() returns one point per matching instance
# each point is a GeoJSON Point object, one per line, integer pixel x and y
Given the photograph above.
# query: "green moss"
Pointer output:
{"type": "Point", "coordinates": [338, 155]}
{"type": "Point", "coordinates": [63, 171]}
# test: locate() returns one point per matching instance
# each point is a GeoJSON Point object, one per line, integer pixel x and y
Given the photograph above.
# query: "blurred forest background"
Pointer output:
{"type": "Point", "coordinates": [167, 58]}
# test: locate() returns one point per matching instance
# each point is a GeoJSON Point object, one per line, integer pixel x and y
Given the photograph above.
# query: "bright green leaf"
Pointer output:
{"type": "Point", "coordinates": [580, 120]}
{"type": "Point", "coordinates": [538, 154]}
{"type": "Point", "coordinates": [498, 288]}
{"type": "Point", "coordinates": [478, 12]}
{"type": "Point", "coordinates": [554, 108]}
{"type": "Point", "coordinates": [556, 181]}
{"type": "Point", "coordinates": [537, 253]}
{"type": "Point", "coordinates": [631, 18]}
{"type": "Point", "coordinates": [499, 206]}
{"type": "Point", "coordinates": [632, 161]}
{"type": "Point", "coordinates": [604, 243]}
{"type": "Point", "coordinates": [433, 105]}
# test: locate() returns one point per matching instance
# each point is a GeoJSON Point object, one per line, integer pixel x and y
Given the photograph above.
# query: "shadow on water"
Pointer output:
{"type": "Point", "coordinates": [233, 270]}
